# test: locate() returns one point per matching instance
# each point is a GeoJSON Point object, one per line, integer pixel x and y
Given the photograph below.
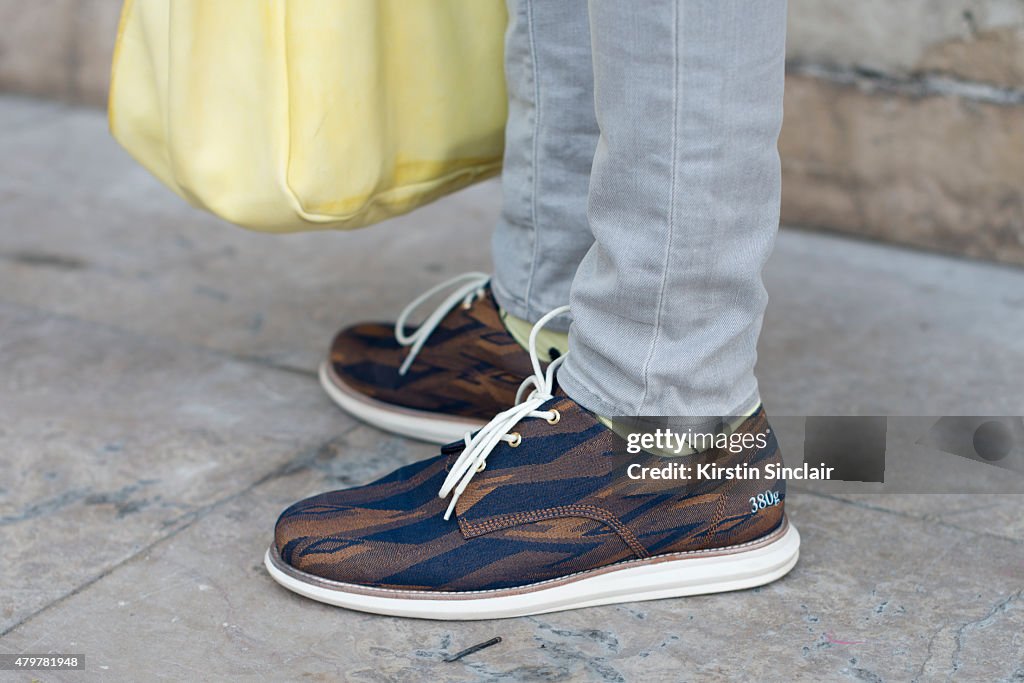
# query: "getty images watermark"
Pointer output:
{"type": "Point", "coordinates": [671, 444]}
{"type": "Point", "coordinates": [897, 454]}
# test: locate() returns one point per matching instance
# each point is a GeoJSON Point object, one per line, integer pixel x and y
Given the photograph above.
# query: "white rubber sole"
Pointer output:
{"type": "Point", "coordinates": [667, 576]}
{"type": "Point", "coordinates": [417, 424]}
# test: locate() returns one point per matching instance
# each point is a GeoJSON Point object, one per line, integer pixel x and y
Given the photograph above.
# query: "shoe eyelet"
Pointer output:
{"type": "Point", "coordinates": [482, 466]}
{"type": "Point", "coordinates": [554, 420]}
{"type": "Point", "coordinates": [517, 439]}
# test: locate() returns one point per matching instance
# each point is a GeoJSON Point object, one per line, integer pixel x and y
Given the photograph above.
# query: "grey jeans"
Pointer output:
{"type": "Point", "coordinates": [641, 185]}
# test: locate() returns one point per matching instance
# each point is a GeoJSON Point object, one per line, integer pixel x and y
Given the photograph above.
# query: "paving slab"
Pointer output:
{"type": "Point", "coordinates": [111, 441]}
{"type": "Point", "coordinates": [859, 328]}
{"type": "Point", "coordinates": [279, 299]}
{"type": "Point", "coordinates": [20, 113]}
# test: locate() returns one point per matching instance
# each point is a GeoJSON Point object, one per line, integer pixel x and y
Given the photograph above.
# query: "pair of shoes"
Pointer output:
{"type": "Point", "coordinates": [531, 511]}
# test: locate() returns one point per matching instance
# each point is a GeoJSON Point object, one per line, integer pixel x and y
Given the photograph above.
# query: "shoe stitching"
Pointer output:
{"type": "Point", "coordinates": [576, 510]}
{"type": "Point", "coordinates": [719, 513]}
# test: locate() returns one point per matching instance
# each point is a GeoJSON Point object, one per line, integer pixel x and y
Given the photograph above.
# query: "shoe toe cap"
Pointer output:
{"type": "Point", "coordinates": [364, 534]}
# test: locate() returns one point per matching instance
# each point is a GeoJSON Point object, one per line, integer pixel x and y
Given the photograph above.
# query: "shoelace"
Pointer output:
{"type": "Point", "coordinates": [479, 445]}
{"type": "Point", "coordinates": [473, 286]}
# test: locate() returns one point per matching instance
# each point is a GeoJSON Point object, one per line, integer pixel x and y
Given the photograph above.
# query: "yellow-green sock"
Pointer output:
{"type": "Point", "coordinates": [546, 339]}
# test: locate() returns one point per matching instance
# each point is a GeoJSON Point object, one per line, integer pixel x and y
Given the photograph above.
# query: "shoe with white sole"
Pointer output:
{"type": "Point", "coordinates": [537, 512]}
{"type": "Point", "coordinates": [446, 377]}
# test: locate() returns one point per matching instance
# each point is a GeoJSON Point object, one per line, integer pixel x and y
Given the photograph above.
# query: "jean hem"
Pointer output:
{"type": "Point", "coordinates": [516, 306]}
{"type": "Point", "coordinates": [587, 398]}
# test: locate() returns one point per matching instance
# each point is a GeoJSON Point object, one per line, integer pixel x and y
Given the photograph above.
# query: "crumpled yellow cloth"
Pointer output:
{"type": "Point", "coordinates": [286, 115]}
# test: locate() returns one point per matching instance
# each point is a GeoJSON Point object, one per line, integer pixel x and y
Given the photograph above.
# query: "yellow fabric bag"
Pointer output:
{"type": "Point", "coordinates": [286, 115]}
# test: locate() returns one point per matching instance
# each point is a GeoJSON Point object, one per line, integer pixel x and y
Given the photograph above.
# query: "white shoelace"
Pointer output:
{"type": "Point", "coordinates": [473, 286]}
{"type": "Point", "coordinates": [478, 446]}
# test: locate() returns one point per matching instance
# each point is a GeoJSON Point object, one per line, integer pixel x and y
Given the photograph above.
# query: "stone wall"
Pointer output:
{"type": "Point", "coordinates": [904, 120]}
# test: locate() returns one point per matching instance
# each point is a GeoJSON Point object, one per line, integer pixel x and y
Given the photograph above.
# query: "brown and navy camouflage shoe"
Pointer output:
{"type": "Point", "coordinates": [541, 510]}
{"type": "Point", "coordinates": [438, 382]}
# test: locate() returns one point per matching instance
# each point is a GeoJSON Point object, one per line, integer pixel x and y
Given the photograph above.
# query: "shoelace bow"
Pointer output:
{"type": "Point", "coordinates": [473, 287]}
{"type": "Point", "coordinates": [479, 445]}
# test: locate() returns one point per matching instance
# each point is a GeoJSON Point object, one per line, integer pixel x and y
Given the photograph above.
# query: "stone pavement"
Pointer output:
{"type": "Point", "coordinates": [158, 408]}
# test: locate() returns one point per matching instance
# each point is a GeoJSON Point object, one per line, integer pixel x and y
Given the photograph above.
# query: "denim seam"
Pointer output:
{"type": "Point", "coordinates": [671, 207]}
{"type": "Point", "coordinates": [533, 154]}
